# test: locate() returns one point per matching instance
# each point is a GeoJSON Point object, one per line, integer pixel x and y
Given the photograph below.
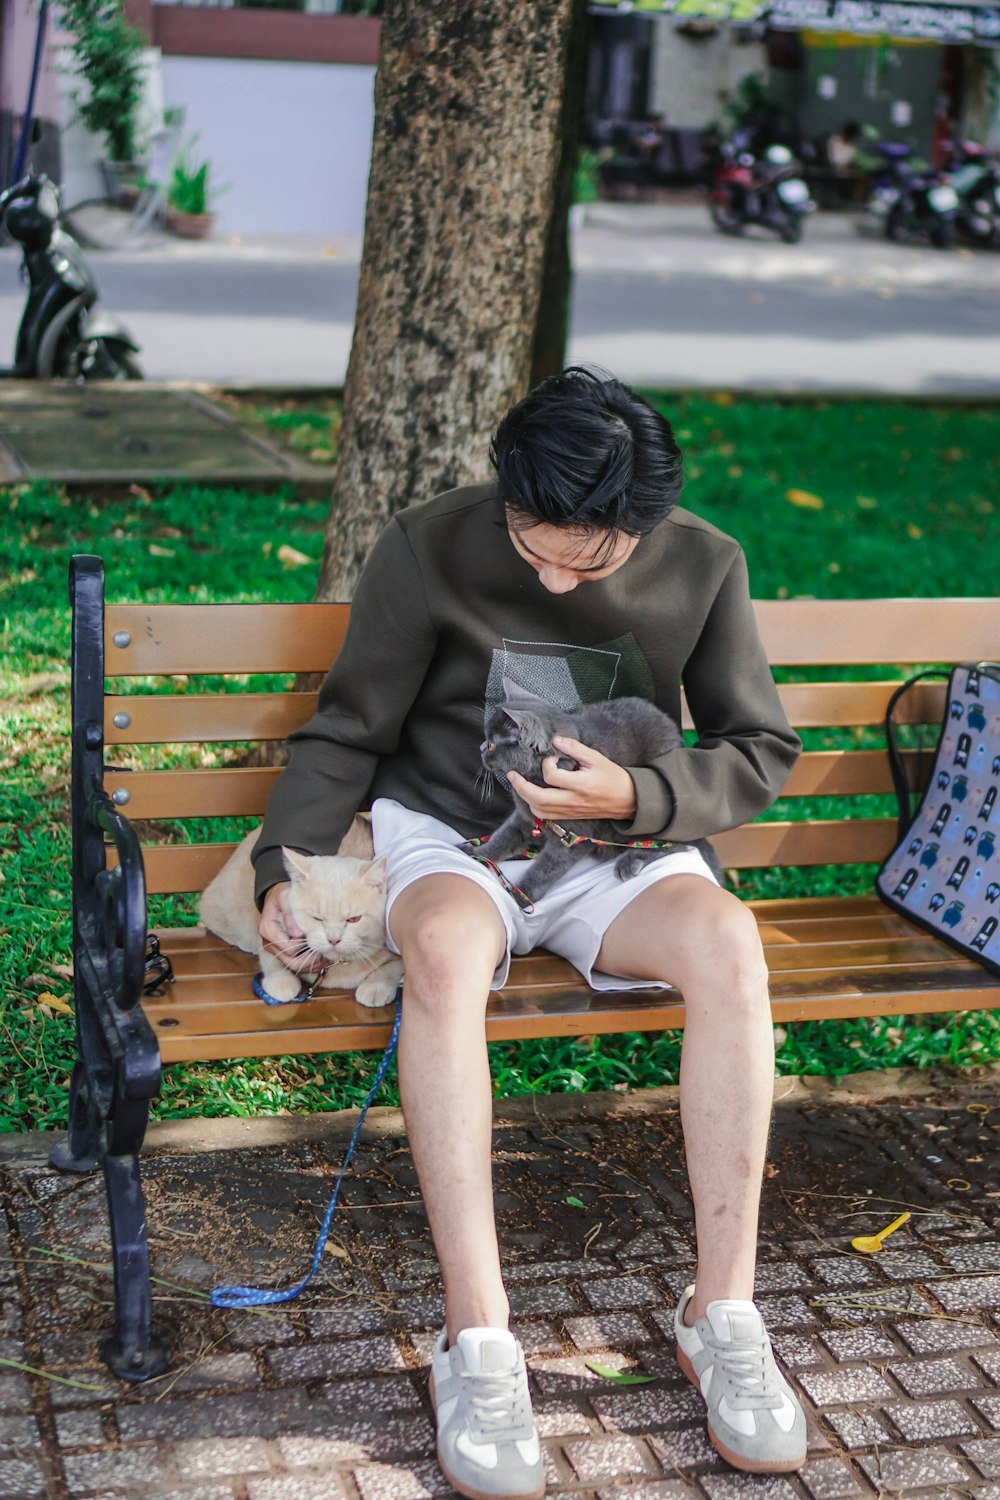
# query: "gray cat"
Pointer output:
{"type": "Point", "coordinates": [629, 731]}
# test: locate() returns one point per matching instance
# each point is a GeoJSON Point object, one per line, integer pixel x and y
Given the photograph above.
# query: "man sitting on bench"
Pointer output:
{"type": "Point", "coordinates": [575, 574]}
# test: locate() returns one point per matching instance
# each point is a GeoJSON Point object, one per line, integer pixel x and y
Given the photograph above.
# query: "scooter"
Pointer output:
{"type": "Point", "coordinates": [975, 176]}
{"type": "Point", "coordinates": [911, 203]}
{"type": "Point", "coordinates": [767, 191]}
{"type": "Point", "coordinates": [62, 334]}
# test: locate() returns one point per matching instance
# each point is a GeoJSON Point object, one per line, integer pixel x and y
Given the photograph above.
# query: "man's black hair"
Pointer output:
{"type": "Point", "coordinates": [584, 451]}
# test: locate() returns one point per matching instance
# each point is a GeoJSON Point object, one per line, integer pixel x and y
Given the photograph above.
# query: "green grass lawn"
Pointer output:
{"type": "Point", "coordinates": [829, 499]}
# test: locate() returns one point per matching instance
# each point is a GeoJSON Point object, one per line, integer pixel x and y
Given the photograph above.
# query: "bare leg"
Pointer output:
{"type": "Point", "coordinates": [452, 939]}
{"type": "Point", "coordinates": [690, 933]}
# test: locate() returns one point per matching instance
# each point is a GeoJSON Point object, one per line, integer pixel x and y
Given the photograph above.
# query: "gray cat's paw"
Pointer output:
{"type": "Point", "coordinates": [627, 865]}
{"type": "Point", "coordinates": [468, 848]}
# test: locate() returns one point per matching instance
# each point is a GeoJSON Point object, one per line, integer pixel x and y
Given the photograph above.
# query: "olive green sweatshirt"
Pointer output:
{"type": "Point", "coordinates": [448, 617]}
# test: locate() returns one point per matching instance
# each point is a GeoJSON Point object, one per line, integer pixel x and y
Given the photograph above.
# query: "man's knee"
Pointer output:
{"type": "Point", "coordinates": [726, 950]}
{"type": "Point", "coordinates": [446, 923]}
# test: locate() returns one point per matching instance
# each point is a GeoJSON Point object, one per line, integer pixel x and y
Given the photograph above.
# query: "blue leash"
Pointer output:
{"type": "Point", "coordinates": [249, 1296]}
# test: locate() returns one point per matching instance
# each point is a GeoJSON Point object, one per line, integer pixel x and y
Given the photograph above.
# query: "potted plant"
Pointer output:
{"type": "Point", "coordinates": [107, 56]}
{"type": "Point", "coordinates": [189, 195]}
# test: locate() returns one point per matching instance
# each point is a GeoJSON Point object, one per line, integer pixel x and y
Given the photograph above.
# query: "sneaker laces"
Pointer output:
{"type": "Point", "coordinates": [750, 1372]}
{"type": "Point", "coordinates": [495, 1411]}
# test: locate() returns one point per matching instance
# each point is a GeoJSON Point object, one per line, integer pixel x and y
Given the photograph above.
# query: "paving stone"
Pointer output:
{"type": "Point", "coordinates": [858, 1343]}
{"type": "Point", "coordinates": [908, 1265]}
{"type": "Point", "coordinates": [419, 1481]}
{"type": "Point", "coordinates": [985, 1454]}
{"type": "Point", "coordinates": [608, 1330]}
{"type": "Point", "coordinates": [79, 1429]}
{"type": "Point", "coordinates": [346, 1357]}
{"type": "Point", "coordinates": [657, 1489]}
{"type": "Point", "coordinates": [117, 1467]}
{"type": "Point", "coordinates": [858, 1429]}
{"type": "Point", "coordinates": [936, 1226]}
{"type": "Point", "coordinates": [596, 1460]}
{"type": "Point", "coordinates": [252, 1414]}
{"type": "Point", "coordinates": [297, 1487]}
{"type": "Point", "coordinates": [780, 1276]}
{"type": "Point", "coordinates": [555, 1375]}
{"type": "Point", "coordinates": [933, 1377]}
{"type": "Point", "coordinates": [621, 1292]}
{"type": "Point", "coordinates": [555, 1421]}
{"type": "Point", "coordinates": [216, 1372]}
{"type": "Point", "coordinates": [18, 1432]}
{"type": "Point", "coordinates": [15, 1393]}
{"type": "Point", "coordinates": [797, 1351]}
{"type": "Point", "coordinates": [922, 1421]}
{"type": "Point", "coordinates": [733, 1486]}
{"type": "Point", "coordinates": [198, 1492]}
{"type": "Point", "coordinates": [249, 1331]}
{"type": "Point", "coordinates": [786, 1312]}
{"type": "Point", "coordinates": [988, 1407]}
{"type": "Point", "coordinates": [684, 1448]}
{"type": "Point", "coordinates": [383, 1393]}
{"type": "Point", "coordinates": [966, 1292]}
{"type": "Point", "coordinates": [210, 1458]}
{"type": "Point", "coordinates": [843, 1270]}
{"type": "Point", "coordinates": [830, 1479]}
{"type": "Point", "coordinates": [538, 1338]}
{"type": "Point", "coordinates": [941, 1337]}
{"type": "Point", "coordinates": [844, 1387]}
{"type": "Point", "coordinates": [553, 1270]}
{"type": "Point", "coordinates": [643, 1406]}
{"type": "Point", "coordinates": [923, 1469]}
{"type": "Point", "coordinates": [341, 1322]}
{"type": "Point", "coordinates": [529, 1301]}
{"type": "Point", "coordinates": [358, 1439]}
{"type": "Point", "coordinates": [20, 1480]}
{"type": "Point", "coordinates": [988, 1361]}
{"type": "Point", "coordinates": [420, 1311]}
{"type": "Point", "coordinates": [974, 1257]}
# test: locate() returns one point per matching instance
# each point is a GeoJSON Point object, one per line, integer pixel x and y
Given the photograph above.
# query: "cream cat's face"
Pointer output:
{"type": "Point", "coordinates": [339, 904]}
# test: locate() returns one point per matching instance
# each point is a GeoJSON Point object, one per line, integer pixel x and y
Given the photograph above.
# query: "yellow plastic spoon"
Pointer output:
{"type": "Point", "coordinates": [871, 1244]}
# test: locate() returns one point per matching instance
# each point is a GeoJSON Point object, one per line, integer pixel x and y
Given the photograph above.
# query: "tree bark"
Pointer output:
{"type": "Point", "coordinates": [471, 114]}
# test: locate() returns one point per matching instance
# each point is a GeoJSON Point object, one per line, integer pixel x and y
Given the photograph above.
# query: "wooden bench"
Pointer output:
{"type": "Point", "coordinates": [828, 956]}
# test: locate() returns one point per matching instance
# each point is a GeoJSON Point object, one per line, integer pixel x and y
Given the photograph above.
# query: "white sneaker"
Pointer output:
{"type": "Point", "coordinates": [754, 1418]}
{"type": "Point", "coordinates": [487, 1443]}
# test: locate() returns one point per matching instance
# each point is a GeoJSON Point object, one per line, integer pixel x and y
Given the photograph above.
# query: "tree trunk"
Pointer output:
{"type": "Point", "coordinates": [470, 119]}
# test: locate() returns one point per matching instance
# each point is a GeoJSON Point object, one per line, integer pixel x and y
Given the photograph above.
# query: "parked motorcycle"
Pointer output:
{"type": "Point", "coordinates": [912, 203]}
{"type": "Point", "coordinates": [975, 176]}
{"type": "Point", "coordinates": [765, 190]}
{"type": "Point", "coordinates": [62, 335]}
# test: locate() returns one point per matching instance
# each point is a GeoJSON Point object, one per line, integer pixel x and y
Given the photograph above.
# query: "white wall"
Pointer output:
{"type": "Point", "coordinates": [292, 140]}
{"type": "Point", "coordinates": [693, 78]}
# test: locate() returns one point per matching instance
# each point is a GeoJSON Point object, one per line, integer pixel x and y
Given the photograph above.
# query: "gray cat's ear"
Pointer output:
{"type": "Point", "coordinates": [296, 864]}
{"type": "Point", "coordinates": [375, 875]}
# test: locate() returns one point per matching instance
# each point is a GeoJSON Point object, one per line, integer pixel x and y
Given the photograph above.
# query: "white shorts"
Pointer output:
{"type": "Point", "coordinates": [570, 919]}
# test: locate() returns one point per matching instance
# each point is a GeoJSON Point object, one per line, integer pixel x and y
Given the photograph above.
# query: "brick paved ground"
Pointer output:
{"type": "Point", "coordinates": [897, 1357]}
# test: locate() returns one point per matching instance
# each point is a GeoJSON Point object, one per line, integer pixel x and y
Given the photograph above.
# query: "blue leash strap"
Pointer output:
{"type": "Point", "coordinates": [249, 1296]}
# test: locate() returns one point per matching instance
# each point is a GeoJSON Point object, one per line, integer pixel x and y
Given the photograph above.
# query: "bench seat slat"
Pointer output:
{"type": "Point", "coordinates": [826, 974]}
{"type": "Point", "coordinates": [198, 718]}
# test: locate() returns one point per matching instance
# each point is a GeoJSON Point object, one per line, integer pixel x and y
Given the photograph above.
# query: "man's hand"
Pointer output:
{"type": "Point", "coordinates": [282, 935]}
{"type": "Point", "coordinates": [599, 788]}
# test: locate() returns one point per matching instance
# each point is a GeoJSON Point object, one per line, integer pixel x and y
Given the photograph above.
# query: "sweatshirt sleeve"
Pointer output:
{"type": "Point", "coordinates": [745, 747]}
{"type": "Point", "coordinates": [364, 699]}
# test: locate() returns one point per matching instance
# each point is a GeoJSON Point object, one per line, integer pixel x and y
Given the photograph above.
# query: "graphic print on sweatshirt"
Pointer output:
{"type": "Point", "coordinates": [567, 676]}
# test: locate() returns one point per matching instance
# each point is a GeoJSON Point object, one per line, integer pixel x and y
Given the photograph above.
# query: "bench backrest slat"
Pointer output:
{"type": "Point", "coordinates": [166, 642]}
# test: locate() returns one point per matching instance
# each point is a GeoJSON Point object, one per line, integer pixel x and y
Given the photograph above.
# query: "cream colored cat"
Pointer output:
{"type": "Point", "coordinates": [339, 903]}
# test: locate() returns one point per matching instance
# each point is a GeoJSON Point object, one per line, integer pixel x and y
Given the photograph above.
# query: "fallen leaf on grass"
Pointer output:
{"type": "Point", "coordinates": [292, 558]}
{"type": "Point", "coordinates": [618, 1377]}
{"type": "Point", "coordinates": [155, 551]}
{"type": "Point", "coordinates": [47, 1001]}
{"type": "Point", "coordinates": [804, 499]}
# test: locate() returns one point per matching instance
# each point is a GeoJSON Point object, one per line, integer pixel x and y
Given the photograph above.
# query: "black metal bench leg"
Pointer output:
{"type": "Point", "coordinates": [81, 1150]}
{"type": "Point", "coordinates": [133, 1352]}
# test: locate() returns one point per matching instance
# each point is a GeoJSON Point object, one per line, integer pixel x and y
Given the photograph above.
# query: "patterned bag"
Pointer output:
{"type": "Point", "coordinates": [944, 873]}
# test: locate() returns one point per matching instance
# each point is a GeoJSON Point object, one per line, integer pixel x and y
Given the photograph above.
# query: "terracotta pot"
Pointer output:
{"type": "Point", "coordinates": [190, 226]}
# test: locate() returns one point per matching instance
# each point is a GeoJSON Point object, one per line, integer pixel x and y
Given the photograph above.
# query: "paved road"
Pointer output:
{"type": "Point", "coordinates": [659, 297]}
